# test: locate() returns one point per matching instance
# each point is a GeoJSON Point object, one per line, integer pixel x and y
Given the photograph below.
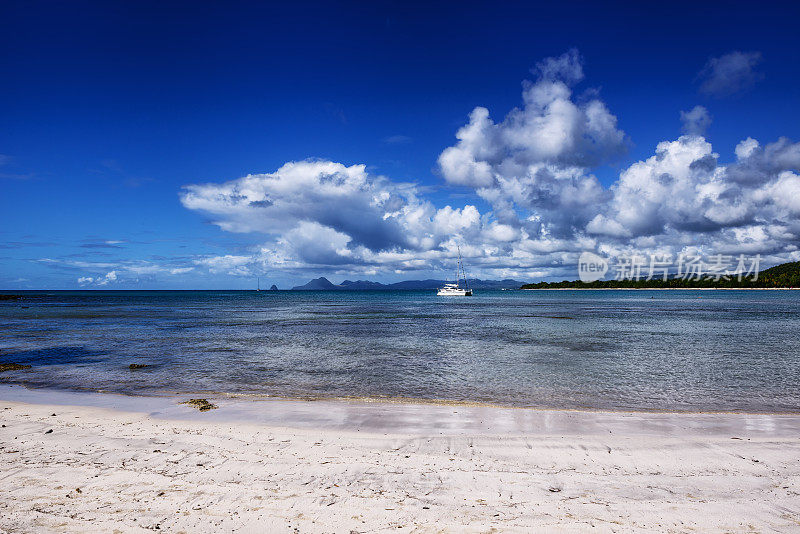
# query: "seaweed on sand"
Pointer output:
{"type": "Point", "coordinates": [201, 404]}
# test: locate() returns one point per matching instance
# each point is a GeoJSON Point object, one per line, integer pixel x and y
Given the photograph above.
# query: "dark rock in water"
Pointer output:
{"type": "Point", "coordinates": [12, 367]}
{"type": "Point", "coordinates": [273, 288]}
{"type": "Point", "coordinates": [201, 404]}
{"type": "Point", "coordinates": [137, 366]}
{"type": "Point", "coordinates": [10, 297]}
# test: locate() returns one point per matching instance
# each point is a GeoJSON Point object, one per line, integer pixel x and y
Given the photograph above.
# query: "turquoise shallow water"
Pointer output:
{"type": "Point", "coordinates": [644, 350]}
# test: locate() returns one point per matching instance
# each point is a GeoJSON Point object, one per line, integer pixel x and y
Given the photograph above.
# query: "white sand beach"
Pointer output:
{"type": "Point", "coordinates": [68, 464]}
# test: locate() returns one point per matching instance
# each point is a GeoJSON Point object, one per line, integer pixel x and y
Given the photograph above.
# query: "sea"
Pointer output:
{"type": "Point", "coordinates": [671, 350]}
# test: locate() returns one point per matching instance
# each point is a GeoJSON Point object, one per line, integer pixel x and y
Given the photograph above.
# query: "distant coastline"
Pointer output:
{"type": "Point", "coordinates": [659, 288]}
{"type": "Point", "coordinates": [784, 276]}
{"type": "Point", "coordinates": [323, 284]}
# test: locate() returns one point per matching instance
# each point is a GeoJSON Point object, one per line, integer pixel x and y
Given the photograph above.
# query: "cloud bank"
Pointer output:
{"type": "Point", "coordinates": [534, 169]}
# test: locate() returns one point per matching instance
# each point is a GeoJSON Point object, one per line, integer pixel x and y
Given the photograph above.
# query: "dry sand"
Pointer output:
{"type": "Point", "coordinates": [285, 466]}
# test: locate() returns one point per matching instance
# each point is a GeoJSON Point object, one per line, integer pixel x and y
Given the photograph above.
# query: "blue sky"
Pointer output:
{"type": "Point", "coordinates": [109, 110]}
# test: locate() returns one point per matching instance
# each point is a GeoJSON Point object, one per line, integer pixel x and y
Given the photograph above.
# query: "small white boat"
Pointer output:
{"type": "Point", "coordinates": [454, 289]}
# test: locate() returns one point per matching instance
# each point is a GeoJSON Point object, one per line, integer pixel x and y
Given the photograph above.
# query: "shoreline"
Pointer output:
{"type": "Point", "coordinates": [409, 416]}
{"type": "Point", "coordinates": [138, 464]}
{"type": "Point", "coordinates": [45, 392]}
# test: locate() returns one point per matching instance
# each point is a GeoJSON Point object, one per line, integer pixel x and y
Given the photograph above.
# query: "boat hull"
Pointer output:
{"type": "Point", "coordinates": [454, 293]}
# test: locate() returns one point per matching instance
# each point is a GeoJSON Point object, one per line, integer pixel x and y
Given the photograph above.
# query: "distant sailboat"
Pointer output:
{"type": "Point", "coordinates": [455, 289]}
{"type": "Point", "coordinates": [258, 286]}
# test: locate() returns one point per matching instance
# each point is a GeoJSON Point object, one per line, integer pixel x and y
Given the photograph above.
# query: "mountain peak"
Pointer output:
{"type": "Point", "coordinates": [320, 283]}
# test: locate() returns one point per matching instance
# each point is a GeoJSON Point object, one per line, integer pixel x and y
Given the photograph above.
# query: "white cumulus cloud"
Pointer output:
{"type": "Point", "coordinates": [696, 120]}
{"type": "Point", "coordinates": [534, 169]}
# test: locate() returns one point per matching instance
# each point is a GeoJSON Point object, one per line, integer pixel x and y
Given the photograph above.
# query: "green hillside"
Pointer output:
{"type": "Point", "coordinates": [784, 275]}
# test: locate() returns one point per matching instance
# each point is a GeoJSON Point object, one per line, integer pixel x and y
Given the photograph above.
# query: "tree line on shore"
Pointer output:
{"type": "Point", "coordinates": [786, 275]}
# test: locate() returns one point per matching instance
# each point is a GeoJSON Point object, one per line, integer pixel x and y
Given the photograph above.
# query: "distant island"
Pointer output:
{"type": "Point", "coordinates": [786, 275]}
{"type": "Point", "coordinates": [323, 284]}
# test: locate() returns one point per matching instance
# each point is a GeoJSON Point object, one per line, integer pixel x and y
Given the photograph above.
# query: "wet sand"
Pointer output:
{"type": "Point", "coordinates": [134, 464]}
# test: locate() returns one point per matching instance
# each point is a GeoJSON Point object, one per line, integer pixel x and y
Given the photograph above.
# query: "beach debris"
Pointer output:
{"type": "Point", "coordinates": [554, 489]}
{"type": "Point", "coordinates": [13, 367]}
{"type": "Point", "coordinates": [201, 404]}
{"type": "Point", "coordinates": [137, 366]}
{"type": "Point", "coordinates": [49, 431]}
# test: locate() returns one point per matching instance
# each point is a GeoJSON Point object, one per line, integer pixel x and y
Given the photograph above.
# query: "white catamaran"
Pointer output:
{"type": "Point", "coordinates": [455, 289]}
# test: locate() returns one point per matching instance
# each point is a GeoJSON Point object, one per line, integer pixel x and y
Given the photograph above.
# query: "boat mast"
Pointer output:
{"type": "Point", "coordinates": [457, 284]}
{"type": "Point", "coordinates": [461, 267]}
